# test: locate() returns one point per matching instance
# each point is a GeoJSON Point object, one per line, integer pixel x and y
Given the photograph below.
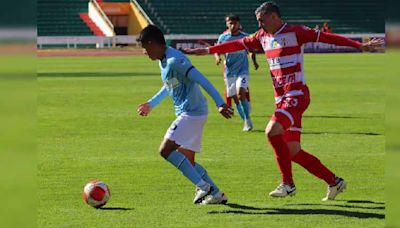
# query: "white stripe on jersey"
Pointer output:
{"type": "Point", "coordinates": [295, 129]}
{"type": "Point", "coordinates": [291, 93]}
{"type": "Point", "coordinates": [279, 41]}
{"type": "Point", "coordinates": [283, 61]}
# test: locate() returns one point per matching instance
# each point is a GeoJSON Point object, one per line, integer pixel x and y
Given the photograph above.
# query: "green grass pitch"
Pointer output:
{"type": "Point", "coordinates": [88, 129]}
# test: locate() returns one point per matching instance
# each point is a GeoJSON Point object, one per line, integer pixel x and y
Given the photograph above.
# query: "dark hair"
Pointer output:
{"type": "Point", "coordinates": [151, 33]}
{"type": "Point", "coordinates": [232, 17]}
{"type": "Point", "coordinates": [268, 8]}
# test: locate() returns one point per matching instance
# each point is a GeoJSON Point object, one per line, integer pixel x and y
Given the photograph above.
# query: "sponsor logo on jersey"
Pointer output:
{"type": "Point", "coordinates": [283, 80]}
{"type": "Point", "coordinates": [172, 83]}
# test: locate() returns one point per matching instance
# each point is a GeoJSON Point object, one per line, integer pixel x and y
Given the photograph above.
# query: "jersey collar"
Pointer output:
{"type": "Point", "coordinates": [280, 30]}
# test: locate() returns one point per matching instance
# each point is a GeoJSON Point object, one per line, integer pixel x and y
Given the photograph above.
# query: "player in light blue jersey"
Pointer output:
{"type": "Point", "coordinates": [183, 139]}
{"type": "Point", "coordinates": [236, 70]}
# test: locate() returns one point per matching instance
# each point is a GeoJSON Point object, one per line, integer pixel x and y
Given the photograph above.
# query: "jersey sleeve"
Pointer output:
{"type": "Point", "coordinates": [180, 65]}
{"type": "Point", "coordinates": [158, 97]}
{"type": "Point", "coordinates": [331, 38]}
{"type": "Point", "coordinates": [252, 42]}
{"type": "Point", "coordinates": [199, 78]}
{"type": "Point", "coordinates": [307, 35]}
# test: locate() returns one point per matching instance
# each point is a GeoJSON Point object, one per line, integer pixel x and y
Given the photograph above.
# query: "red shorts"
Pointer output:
{"type": "Point", "coordinates": [288, 113]}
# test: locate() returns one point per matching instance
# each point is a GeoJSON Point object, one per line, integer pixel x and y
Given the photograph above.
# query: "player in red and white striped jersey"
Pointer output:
{"type": "Point", "coordinates": [282, 44]}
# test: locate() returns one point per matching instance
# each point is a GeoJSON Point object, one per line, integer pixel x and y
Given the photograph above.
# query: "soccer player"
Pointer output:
{"type": "Point", "coordinates": [236, 70]}
{"type": "Point", "coordinates": [282, 44]}
{"type": "Point", "coordinates": [182, 140]}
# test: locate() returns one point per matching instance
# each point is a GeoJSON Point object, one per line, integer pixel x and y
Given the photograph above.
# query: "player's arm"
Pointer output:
{"type": "Point", "coordinates": [218, 59]}
{"type": "Point", "coordinates": [369, 46]}
{"type": "Point", "coordinates": [145, 108]}
{"type": "Point", "coordinates": [195, 75]}
{"type": "Point", "coordinates": [250, 42]}
{"type": "Point", "coordinates": [217, 56]}
{"type": "Point", "coordinates": [310, 35]}
{"type": "Point", "coordinates": [254, 59]}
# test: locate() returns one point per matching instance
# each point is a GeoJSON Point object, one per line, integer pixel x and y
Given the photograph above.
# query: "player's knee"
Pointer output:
{"type": "Point", "coordinates": [273, 129]}
{"type": "Point", "coordinates": [164, 152]}
{"type": "Point", "coordinates": [242, 96]}
{"type": "Point", "coordinates": [271, 132]}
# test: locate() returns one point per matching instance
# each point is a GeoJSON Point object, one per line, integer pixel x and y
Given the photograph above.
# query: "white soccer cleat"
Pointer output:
{"type": "Point", "coordinates": [333, 191]}
{"type": "Point", "coordinates": [283, 190]}
{"type": "Point", "coordinates": [248, 125]}
{"type": "Point", "coordinates": [219, 198]}
{"type": "Point", "coordinates": [201, 193]}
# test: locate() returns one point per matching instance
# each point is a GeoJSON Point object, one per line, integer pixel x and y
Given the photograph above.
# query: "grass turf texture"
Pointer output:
{"type": "Point", "coordinates": [88, 129]}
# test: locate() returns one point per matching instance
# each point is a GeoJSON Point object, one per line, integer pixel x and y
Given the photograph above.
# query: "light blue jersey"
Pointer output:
{"type": "Point", "coordinates": [236, 63]}
{"type": "Point", "coordinates": [181, 82]}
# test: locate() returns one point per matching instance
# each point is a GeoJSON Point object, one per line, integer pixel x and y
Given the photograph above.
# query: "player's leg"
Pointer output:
{"type": "Point", "coordinates": [230, 83]}
{"type": "Point", "coordinates": [241, 89]}
{"type": "Point", "coordinates": [185, 132]}
{"type": "Point", "coordinates": [314, 166]}
{"type": "Point", "coordinates": [248, 99]}
{"type": "Point", "coordinates": [275, 135]}
{"type": "Point", "coordinates": [308, 161]}
{"type": "Point", "coordinates": [216, 196]}
{"type": "Point", "coordinates": [228, 100]}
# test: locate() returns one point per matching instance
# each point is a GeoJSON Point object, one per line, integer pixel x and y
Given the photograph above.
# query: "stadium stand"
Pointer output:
{"type": "Point", "coordinates": [62, 18]}
{"type": "Point", "coordinates": [56, 18]}
{"type": "Point", "coordinates": [207, 16]}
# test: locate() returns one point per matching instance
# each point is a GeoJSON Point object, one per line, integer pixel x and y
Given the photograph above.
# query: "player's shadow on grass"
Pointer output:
{"type": "Point", "coordinates": [339, 205]}
{"type": "Point", "coordinates": [334, 117]}
{"type": "Point", "coordinates": [320, 116]}
{"type": "Point", "coordinates": [249, 210]}
{"type": "Point", "coordinates": [342, 133]}
{"type": "Point", "coordinates": [96, 74]}
{"type": "Point", "coordinates": [362, 201]}
{"type": "Point", "coordinates": [328, 133]}
{"type": "Point", "coordinates": [116, 209]}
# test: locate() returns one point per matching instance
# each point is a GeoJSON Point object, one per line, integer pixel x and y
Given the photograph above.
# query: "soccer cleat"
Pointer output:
{"type": "Point", "coordinates": [248, 125]}
{"type": "Point", "coordinates": [201, 193]}
{"type": "Point", "coordinates": [283, 190]}
{"type": "Point", "coordinates": [333, 191]}
{"type": "Point", "coordinates": [219, 198]}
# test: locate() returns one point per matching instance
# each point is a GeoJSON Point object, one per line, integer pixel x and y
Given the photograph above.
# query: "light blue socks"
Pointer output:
{"type": "Point", "coordinates": [240, 110]}
{"type": "Point", "coordinates": [182, 163]}
{"type": "Point", "coordinates": [245, 105]}
{"type": "Point", "coordinates": [203, 173]}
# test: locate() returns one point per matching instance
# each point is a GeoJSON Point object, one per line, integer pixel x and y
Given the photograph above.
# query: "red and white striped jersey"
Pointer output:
{"type": "Point", "coordinates": [284, 53]}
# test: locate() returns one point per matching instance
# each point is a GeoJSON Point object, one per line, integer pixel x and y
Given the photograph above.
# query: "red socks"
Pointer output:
{"type": "Point", "coordinates": [313, 165]}
{"type": "Point", "coordinates": [282, 155]}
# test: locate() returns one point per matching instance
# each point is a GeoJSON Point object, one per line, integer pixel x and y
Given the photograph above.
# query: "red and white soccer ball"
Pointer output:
{"type": "Point", "coordinates": [96, 194]}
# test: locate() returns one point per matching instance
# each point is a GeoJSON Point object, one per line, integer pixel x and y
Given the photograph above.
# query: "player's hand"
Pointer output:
{"type": "Point", "coordinates": [256, 66]}
{"type": "Point", "coordinates": [144, 109]}
{"type": "Point", "coordinates": [218, 61]}
{"type": "Point", "coordinates": [196, 51]}
{"type": "Point", "coordinates": [372, 45]}
{"type": "Point", "coordinates": [226, 111]}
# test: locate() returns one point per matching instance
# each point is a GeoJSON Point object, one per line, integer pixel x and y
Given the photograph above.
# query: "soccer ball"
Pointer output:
{"type": "Point", "coordinates": [96, 193]}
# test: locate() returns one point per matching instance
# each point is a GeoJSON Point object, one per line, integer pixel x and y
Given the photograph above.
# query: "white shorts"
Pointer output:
{"type": "Point", "coordinates": [187, 131]}
{"type": "Point", "coordinates": [233, 84]}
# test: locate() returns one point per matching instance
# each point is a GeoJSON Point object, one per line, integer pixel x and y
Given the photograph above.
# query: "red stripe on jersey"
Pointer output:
{"type": "Point", "coordinates": [286, 71]}
{"type": "Point", "coordinates": [279, 52]}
